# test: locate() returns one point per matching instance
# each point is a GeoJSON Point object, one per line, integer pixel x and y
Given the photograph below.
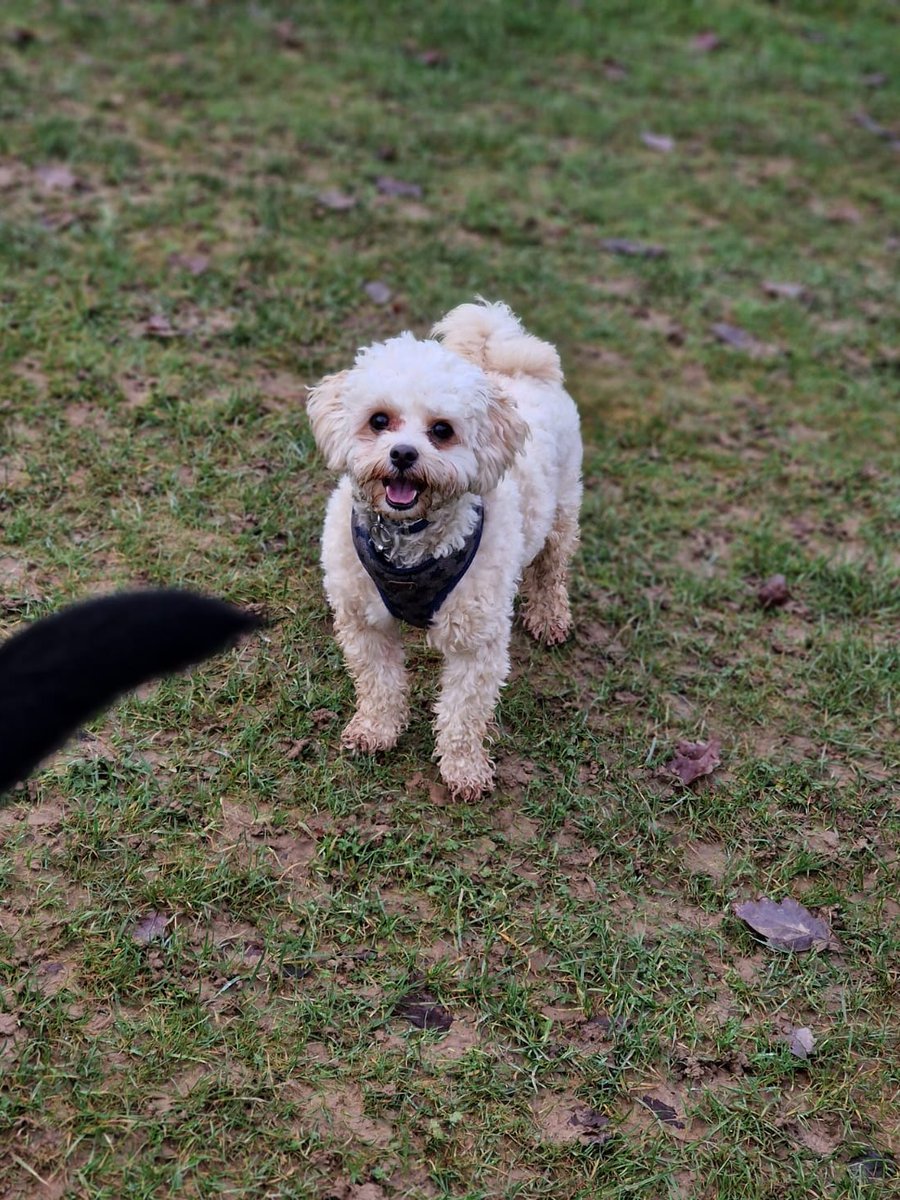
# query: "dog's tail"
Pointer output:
{"type": "Point", "coordinates": [64, 669]}
{"type": "Point", "coordinates": [491, 335]}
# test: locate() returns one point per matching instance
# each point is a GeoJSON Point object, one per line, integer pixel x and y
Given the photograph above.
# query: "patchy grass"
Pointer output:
{"type": "Point", "coordinates": [164, 162]}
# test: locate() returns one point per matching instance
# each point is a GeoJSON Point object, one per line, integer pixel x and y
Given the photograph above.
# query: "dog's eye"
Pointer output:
{"type": "Point", "coordinates": [441, 431]}
{"type": "Point", "coordinates": [379, 421]}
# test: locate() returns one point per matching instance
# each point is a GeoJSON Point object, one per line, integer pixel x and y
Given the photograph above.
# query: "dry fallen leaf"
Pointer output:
{"type": "Point", "coordinates": [785, 291]}
{"type": "Point", "coordinates": [286, 35]}
{"type": "Point", "coordinates": [338, 201]}
{"type": "Point", "coordinates": [873, 1164]}
{"type": "Point", "coordinates": [632, 249]}
{"type": "Point", "coordinates": [774, 592]}
{"type": "Point", "coordinates": [151, 928]}
{"type": "Point", "coordinates": [613, 70]}
{"type": "Point", "coordinates": [733, 335]}
{"type": "Point", "coordinates": [842, 213]}
{"type": "Point", "coordinates": [658, 141]}
{"type": "Point", "coordinates": [431, 58]}
{"type": "Point", "coordinates": [740, 339]}
{"type": "Point", "coordinates": [378, 292]}
{"type": "Point", "coordinates": [57, 178]}
{"type": "Point", "coordinates": [389, 186]}
{"type": "Point", "coordinates": [595, 1126]}
{"type": "Point", "coordinates": [872, 126]}
{"type": "Point", "coordinates": [695, 759]}
{"type": "Point", "coordinates": [801, 1042]}
{"type": "Point", "coordinates": [59, 220]}
{"type": "Point", "coordinates": [159, 326]}
{"type": "Point", "coordinates": [8, 1024]}
{"type": "Point", "coordinates": [662, 1111]}
{"type": "Point", "coordinates": [422, 1010]}
{"type": "Point", "coordinates": [785, 924]}
{"type": "Point", "coordinates": [706, 42]}
{"type": "Point", "coordinates": [194, 264]}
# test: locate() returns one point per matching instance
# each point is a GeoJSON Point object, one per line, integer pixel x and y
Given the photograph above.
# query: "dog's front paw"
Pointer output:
{"type": "Point", "coordinates": [363, 735]}
{"type": "Point", "coordinates": [468, 779]}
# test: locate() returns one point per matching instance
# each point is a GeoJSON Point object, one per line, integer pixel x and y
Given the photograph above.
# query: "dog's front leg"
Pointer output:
{"type": "Point", "coordinates": [470, 687]}
{"type": "Point", "coordinates": [374, 657]}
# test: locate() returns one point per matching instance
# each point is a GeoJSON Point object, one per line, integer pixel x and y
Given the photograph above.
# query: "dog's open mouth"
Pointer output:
{"type": "Point", "coordinates": [400, 493]}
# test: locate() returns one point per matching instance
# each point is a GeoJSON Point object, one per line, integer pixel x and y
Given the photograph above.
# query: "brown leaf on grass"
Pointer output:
{"type": "Point", "coordinates": [662, 1111]}
{"type": "Point", "coordinates": [594, 1126]}
{"type": "Point", "coordinates": [151, 928]}
{"type": "Point", "coordinates": [57, 177]}
{"type": "Point", "coordinates": [159, 326]}
{"type": "Point", "coordinates": [21, 37]}
{"type": "Point", "coordinates": [774, 592]}
{"type": "Point", "coordinates": [740, 339]}
{"type": "Point", "coordinates": [335, 200]}
{"type": "Point", "coordinates": [785, 924]}
{"type": "Point", "coordinates": [873, 1164]}
{"type": "Point", "coordinates": [378, 292]}
{"type": "Point", "coordinates": [59, 221]}
{"type": "Point", "coordinates": [733, 335]}
{"type": "Point", "coordinates": [286, 35]}
{"type": "Point", "coordinates": [422, 1010]}
{"type": "Point", "coordinates": [632, 249]}
{"type": "Point", "coordinates": [706, 42]}
{"type": "Point", "coordinates": [431, 58]}
{"type": "Point", "coordinates": [864, 121]}
{"type": "Point", "coordinates": [194, 264]}
{"type": "Point", "coordinates": [801, 1042]}
{"type": "Point", "coordinates": [785, 291]}
{"type": "Point", "coordinates": [9, 1023]}
{"type": "Point", "coordinates": [694, 760]}
{"type": "Point", "coordinates": [614, 70]}
{"type": "Point", "coordinates": [660, 142]}
{"type": "Point", "coordinates": [841, 213]}
{"type": "Point", "coordinates": [389, 186]}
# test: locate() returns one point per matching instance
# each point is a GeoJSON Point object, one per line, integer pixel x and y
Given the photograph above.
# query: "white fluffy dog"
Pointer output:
{"type": "Point", "coordinates": [462, 461]}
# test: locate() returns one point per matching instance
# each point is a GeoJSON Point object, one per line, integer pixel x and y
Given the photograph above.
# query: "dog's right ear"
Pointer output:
{"type": "Point", "coordinates": [328, 417]}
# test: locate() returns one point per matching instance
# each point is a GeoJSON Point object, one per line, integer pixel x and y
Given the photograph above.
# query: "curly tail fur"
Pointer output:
{"type": "Point", "coordinates": [491, 335]}
{"type": "Point", "coordinates": [62, 670]}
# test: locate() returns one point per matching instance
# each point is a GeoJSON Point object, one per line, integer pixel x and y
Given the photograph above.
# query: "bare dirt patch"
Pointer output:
{"type": "Point", "coordinates": [338, 1113]}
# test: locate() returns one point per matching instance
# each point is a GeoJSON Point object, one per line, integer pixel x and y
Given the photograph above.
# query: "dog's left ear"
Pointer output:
{"type": "Point", "coordinates": [507, 434]}
{"type": "Point", "coordinates": [328, 417]}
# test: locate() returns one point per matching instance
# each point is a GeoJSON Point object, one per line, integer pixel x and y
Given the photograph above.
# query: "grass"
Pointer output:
{"type": "Point", "coordinates": [578, 924]}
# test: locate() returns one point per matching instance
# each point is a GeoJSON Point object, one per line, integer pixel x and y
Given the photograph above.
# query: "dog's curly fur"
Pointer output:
{"type": "Point", "coordinates": [515, 444]}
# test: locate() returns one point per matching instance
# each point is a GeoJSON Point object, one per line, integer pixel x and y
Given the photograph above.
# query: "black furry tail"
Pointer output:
{"type": "Point", "coordinates": [64, 669]}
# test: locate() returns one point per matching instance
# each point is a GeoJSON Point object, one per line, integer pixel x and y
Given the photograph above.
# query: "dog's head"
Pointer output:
{"type": "Point", "coordinates": [415, 425]}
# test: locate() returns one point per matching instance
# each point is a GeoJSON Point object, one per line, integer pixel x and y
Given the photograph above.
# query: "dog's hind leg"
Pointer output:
{"type": "Point", "coordinates": [374, 657]}
{"type": "Point", "coordinates": [545, 581]}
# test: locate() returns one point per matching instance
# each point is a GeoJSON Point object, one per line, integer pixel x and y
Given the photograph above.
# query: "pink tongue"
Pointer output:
{"type": "Point", "coordinates": [400, 492]}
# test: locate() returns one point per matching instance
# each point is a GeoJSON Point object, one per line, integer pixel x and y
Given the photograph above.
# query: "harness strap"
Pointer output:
{"type": "Point", "coordinates": [414, 594]}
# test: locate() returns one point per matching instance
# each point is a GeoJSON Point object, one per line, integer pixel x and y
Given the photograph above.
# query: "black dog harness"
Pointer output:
{"type": "Point", "coordinates": [414, 594]}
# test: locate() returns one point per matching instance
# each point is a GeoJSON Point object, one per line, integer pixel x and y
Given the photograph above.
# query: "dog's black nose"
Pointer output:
{"type": "Point", "coordinates": [403, 456]}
